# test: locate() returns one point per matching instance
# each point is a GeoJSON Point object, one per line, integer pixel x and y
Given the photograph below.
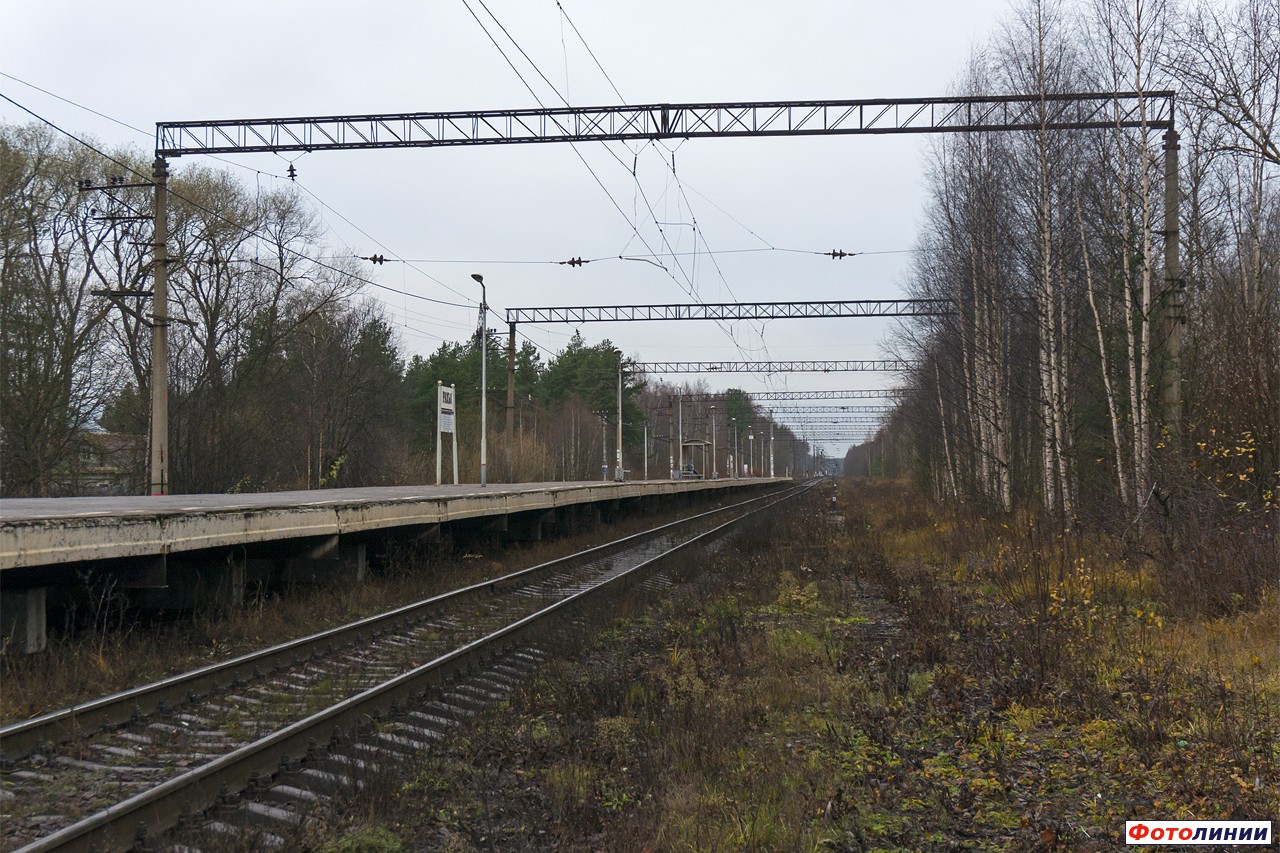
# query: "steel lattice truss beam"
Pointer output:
{"type": "Point", "coordinates": [762, 396]}
{"type": "Point", "coordinates": [861, 423]}
{"type": "Point", "coordinates": [813, 427]}
{"type": "Point", "coordinates": [734, 311]}
{"type": "Point", "coordinates": [669, 121]}
{"type": "Point", "coordinates": [852, 429]}
{"type": "Point", "coordinates": [829, 410]}
{"type": "Point", "coordinates": [833, 420]}
{"type": "Point", "coordinates": [833, 434]}
{"type": "Point", "coordinates": [665, 367]}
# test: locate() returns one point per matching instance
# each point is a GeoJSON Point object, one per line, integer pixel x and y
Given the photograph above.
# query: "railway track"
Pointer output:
{"type": "Point", "coordinates": [110, 773]}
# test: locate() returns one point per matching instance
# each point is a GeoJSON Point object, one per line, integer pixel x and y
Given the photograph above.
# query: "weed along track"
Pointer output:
{"type": "Point", "coordinates": [315, 714]}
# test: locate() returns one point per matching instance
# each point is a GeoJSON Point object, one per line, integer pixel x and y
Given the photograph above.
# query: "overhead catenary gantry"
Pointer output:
{"type": "Point", "coordinates": [832, 420]}
{"type": "Point", "coordinates": [829, 410]}
{"type": "Point", "coordinates": [768, 396]}
{"type": "Point", "coordinates": [731, 311]}
{"type": "Point", "coordinates": [1144, 111]}
{"type": "Point", "coordinates": [727, 311]}
{"type": "Point", "coordinates": [769, 367]}
{"type": "Point", "coordinates": [859, 424]}
{"type": "Point", "coordinates": [1068, 111]}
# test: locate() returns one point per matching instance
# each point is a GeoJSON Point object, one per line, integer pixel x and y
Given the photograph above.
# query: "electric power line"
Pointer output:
{"type": "Point", "coordinates": [636, 256]}
{"type": "Point", "coordinates": [691, 289]}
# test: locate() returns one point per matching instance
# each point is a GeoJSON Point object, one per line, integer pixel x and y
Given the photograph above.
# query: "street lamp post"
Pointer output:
{"type": "Point", "coordinates": [751, 452]}
{"type": "Point", "coordinates": [715, 472]}
{"type": "Point", "coordinates": [484, 385]}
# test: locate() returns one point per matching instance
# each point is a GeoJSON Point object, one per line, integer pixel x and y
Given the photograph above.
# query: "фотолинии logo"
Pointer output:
{"type": "Point", "coordinates": [1198, 832]}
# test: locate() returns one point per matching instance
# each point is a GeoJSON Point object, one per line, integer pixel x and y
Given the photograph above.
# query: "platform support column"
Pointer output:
{"type": "Point", "coordinates": [22, 621]}
{"type": "Point", "coordinates": [354, 557]}
{"type": "Point", "coordinates": [230, 584]}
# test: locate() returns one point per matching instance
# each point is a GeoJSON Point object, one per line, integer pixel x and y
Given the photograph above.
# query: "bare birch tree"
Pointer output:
{"type": "Point", "coordinates": [52, 372]}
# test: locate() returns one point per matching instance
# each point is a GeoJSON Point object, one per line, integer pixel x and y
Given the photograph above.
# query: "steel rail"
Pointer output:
{"type": "Point", "coordinates": [18, 740]}
{"type": "Point", "coordinates": [161, 807]}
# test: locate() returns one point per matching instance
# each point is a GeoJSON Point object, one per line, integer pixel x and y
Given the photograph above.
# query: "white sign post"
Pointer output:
{"type": "Point", "coordinates": [446, 421]}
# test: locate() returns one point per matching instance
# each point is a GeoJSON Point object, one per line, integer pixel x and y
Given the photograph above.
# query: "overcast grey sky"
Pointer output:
{"type": "Point", "coordinates": [456, 211]}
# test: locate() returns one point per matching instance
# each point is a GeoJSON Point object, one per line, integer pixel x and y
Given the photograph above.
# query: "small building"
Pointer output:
{"type": "Point", "coordinates": [103, 463]}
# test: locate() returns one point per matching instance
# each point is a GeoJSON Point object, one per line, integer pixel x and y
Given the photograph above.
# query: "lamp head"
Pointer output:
{"type": "Point", "coordinates": [479, 278]}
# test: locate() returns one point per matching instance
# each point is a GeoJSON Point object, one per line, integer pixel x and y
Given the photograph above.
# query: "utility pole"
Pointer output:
{"type": "Point", "coordinates": [160, 333]}
{"type": "Point", "coordinates": [158, 440]}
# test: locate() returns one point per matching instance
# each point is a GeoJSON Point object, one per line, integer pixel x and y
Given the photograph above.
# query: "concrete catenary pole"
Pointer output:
{"type": "Point", "coordinates": [680, 436]}
{"type": "Point", "coordinates": [617, 471]}
{"type": "Point", "coordinates": [511, 399]}
{"type": "Point", "coordinates": [671, 453]}
{"type": "Point", "coordinates": [646, 449]}
{"type": "Point", "coordinates": [771, 444]}
{"type": "Point", "coordinates": [737, 463]}
{"type": "Point", "coordinates": [160, 333]}
{"type": "Point", "coordinates": [715, 468]}
{"type": "Point", "coordinates": [1173, 307]}
{"type": "Point", "coordinates": [454, 389]}
{"type": "Point", "coordinates": [482, 337]}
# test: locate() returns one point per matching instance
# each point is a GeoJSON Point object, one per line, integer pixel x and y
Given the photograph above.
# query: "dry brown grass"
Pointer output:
{"type": "Point", "coordinates": [1248, 642]}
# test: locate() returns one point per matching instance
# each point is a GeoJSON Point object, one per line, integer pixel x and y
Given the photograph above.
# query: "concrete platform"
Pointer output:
{"type": "Point", "coordinates": [50, 531]}
{"type": "Point", "coordinates": [184, 552]}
